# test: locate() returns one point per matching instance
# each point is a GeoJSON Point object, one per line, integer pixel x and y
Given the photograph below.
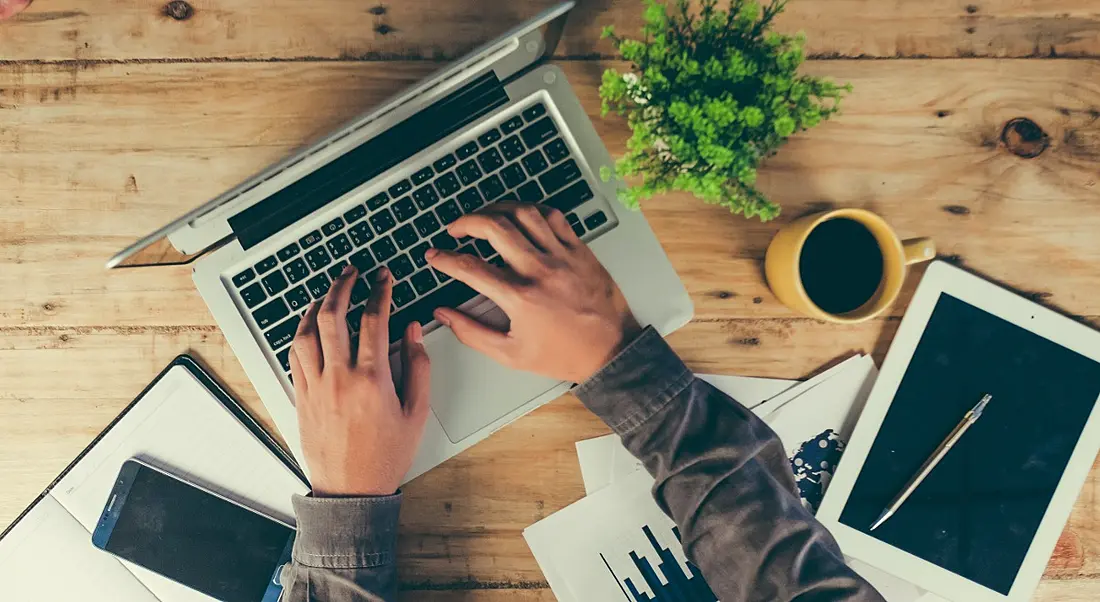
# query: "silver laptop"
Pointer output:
{"type": "Point", "coordinates": [499, 124]}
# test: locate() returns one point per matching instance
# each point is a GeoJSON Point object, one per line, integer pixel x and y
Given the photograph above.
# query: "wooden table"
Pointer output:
{"type": "Point", "coordinates": [118, 115]}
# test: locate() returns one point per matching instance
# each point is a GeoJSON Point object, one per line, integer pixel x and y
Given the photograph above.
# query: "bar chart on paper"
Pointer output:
{"type": "Point", "coordinates": [676, 585]}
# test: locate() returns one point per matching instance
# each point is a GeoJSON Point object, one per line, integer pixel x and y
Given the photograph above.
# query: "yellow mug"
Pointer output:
{"type": "Point", "coordinates": [783, 271]}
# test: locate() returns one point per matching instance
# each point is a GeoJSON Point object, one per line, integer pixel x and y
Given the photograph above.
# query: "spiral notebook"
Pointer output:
{"type": "Point", "coordinates": [183, 422]}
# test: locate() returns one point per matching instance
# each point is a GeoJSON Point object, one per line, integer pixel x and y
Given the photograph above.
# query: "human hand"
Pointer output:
{"type": "Point", "coordinates": [359, 436]}
{"type": "Point", "coordinates": [568, 317]}
{"type": "Point", "coordinates": [10, 8]}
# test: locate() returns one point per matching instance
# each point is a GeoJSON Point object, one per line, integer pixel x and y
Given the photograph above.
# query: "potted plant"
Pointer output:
{"type": "Point", "coordinates": [710, 95]}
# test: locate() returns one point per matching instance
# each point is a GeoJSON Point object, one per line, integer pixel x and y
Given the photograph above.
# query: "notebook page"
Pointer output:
{"type": "Point", "coordinates": [49, 556]}
{"type": "Point", "coordinates": [180, 427]}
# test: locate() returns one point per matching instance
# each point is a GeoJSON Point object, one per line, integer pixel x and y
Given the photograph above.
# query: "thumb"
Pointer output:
{"type": "Point", "coordinates": [475, 335]}
{"type": "Point", "coordinates": [415, 373]}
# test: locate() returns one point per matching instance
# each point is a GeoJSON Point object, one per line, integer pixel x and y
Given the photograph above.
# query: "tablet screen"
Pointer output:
{"type": "Point", "coordinates": [979, 509]}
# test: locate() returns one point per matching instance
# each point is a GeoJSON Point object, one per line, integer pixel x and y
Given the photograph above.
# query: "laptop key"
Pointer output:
{"type": "Point", "coordinates": [270, 313]}
{"type": "Point", "coordinates": [283, 333]}
{"type": "Point", "coordinates": [499, 262]}
{"type": "Point", "coordinates": [512, 124]}
{"type": "Point", "coordinates": [512, 148]}
{"type": "Point", "coordinates": [359, 291]}
{"type": "Point", "coordinates": [297, 298]}
{"type": "Point", "coordinates": [274, 283]}
{"type": "Point", "coordinates": [405, 236]}
{"type": "Point", "coordinates": [440, 276]}
{"type": "Point", "coordinates": [468, 173]}
{"type": "Point", "coordinates": [426, 224]}
{"type": "Point", "coordinates": [490, 160]}
{"type": "Point", "coordinates": [556, 150]}
{"type": "Point", "coordinates": [595, 220]}
{"type": "Point", "coordinates": [284, 359]}
{"type": "Point", "coordinates": [404, 209]}
{"type": "Point", "coordinates": [417, 254]}
{"type": "Point", "coordinates": [318, 286]}
{"type": "Point", "coordinates": [447, 184]}
{"type": "Point", "coordinates": [513, 175]}
{"type": "Point", "coordinates": [448, 212]}
{"type": "Point", "coordinates": [444, 241]}
{"type": "Point", "coordinates": [401, 267]}
{"type": "Point", "coordinates": [530, 192]}
{"type": "Point", "coordinates": [466, 150]}
{"type": "Point", "coordinates": [470, 199]}
{"type": "Point", "coordinates": [355, 318]}
{"type": "Point", "coordinates": [491, 187]}
{"type": "Point", "coordinates": [403, 294]}
{"type": "Point", "coordinates": [422, 175]}
{"type": "Point", "coordinates": [570, 198]}
{"type": "Point", "coordinates": [485, 249]}
{"type": "Point", "coordinates": [535, 163]}
{"type": "Point", "coordinates": [452, 294]}
{"type": "Point", "coordinates": [310, 239]}
{"type": "Point", "coordinates": [444, 163]}
{"type": "Point", "coordinates": [423, 282]}
{"type": "Point", "coordinates": [380, 200]}
{"type": "Point", "coordinates": [288, 251]}
{"type": "Point", "coordinates": [253, 295]}
{"type": "Point", "coordinates": [339, 246]}
{"type": "Point", "coordinates": [382, 221]}
{"type": "Point", "coordinates": [383, 249]}
{"type": "Point", "coordinates": [539, 132]}
{"type": "Point", "coordinates": [266, 264]}
{"type": "Point", "coordinates": [360, 234]}
{"type": "Point", "coordinates": [244, 278]}
{"type": "Point", "coordinates": [534, 112]}
{"type": "Point", "coordinates": [489, 137]}
{"type": "Point", "coordinates": [559, 176]}
{"type": "Point", "coordinates": [425, 197]}
{"type": "Point", "coordinates": [296, 270]}
{"type": "Point", "coordinates": [578, 229]}
{"type": "Point", "coordinates": [354, 214]}
{"type": "Point", "coordinates": [400, 188]}
{"type": "Point", "coordinates": [336, 269]}
{"type": "Point", "coordinates": [362, 261]}
{"type": "Point", "coordinates": [332, 227]}
{"type": "Point", "coordinates": [317, 259]}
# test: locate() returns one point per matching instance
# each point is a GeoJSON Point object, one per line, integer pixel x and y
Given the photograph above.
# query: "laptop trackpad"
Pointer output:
{"type": "Point", "coordinates": [471, 391]}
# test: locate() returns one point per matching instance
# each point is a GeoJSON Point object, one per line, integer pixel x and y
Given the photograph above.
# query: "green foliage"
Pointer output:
{"type": "Point", "coordinates": [712, 94]}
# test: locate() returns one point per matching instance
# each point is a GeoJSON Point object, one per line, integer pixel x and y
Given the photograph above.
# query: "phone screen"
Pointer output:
{"type": "Point", "coordinates": [195, 538]}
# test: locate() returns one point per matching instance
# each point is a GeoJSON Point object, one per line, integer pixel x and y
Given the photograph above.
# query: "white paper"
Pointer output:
{"type": "Point", "coordinates": [48, 556]}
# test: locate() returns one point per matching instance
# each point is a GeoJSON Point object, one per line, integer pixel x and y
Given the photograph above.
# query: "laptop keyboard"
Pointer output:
{"type": "Point", "coordinates": [522, 158]}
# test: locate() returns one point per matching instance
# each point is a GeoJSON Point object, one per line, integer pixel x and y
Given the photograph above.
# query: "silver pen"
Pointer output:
{"type": "Point", "coordinates": [969, 419]}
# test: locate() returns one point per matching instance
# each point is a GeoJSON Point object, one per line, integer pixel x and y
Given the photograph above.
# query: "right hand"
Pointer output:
{"type": "Point", "coordinates": [568, 317]}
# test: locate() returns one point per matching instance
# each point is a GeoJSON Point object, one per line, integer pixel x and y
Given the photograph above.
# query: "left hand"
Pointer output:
{"type": "Point", "coordinates": [359, 435]}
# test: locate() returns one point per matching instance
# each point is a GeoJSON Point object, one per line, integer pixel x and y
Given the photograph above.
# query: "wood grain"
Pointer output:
{"type": "Point", "coordinates": [142, 30]}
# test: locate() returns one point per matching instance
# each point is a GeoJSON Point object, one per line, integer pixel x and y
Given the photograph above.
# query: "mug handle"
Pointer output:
{"type": "Point", "coordinates": [917, 250]}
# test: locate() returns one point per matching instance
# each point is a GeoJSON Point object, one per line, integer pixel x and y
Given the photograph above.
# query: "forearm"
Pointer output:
{"type": "Point", "coordinates": [723, 476]}
{"type": "Point", "coordinates": [344, 551]}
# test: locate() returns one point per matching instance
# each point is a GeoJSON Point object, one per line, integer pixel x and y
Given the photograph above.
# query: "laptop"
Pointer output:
{"type": "Point", "coordinates": [500, 124]}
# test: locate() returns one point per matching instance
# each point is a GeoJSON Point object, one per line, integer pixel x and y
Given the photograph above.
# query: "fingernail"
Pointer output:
{"type": "Point", "coordinates": [416, 331]}
{"type": "Point", "coordinates": [430, 253]}
{"type": "Point", "coordinates": [442, 317]}
{"type": "Point", "coordinates": [383, 274]}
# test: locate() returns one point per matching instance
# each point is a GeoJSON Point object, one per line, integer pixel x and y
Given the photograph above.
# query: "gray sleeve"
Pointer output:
{"type": "Point", "coordinates": [724, 477]}
{"type": "Point", "coordinates": [344, 551]}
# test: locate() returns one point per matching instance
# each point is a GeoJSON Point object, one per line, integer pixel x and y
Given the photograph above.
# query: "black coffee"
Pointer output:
{"type": "Point", "coordinates": [841, 265]}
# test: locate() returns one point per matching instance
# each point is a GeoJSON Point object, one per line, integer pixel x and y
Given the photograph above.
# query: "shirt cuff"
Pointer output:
{"type": "Point", "coordinates": [346, 533]}
{"type": "Point", "coordinates": [637, 383]}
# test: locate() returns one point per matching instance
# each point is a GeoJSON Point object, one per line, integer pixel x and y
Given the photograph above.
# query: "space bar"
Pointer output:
{"type": "Point", "coordinates": [452, 294]}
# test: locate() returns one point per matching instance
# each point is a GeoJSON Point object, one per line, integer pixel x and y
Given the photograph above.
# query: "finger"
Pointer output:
{"type": "Point", "coordinates": [298, 377]}
{"type": "Point", "coordinates": [562, 229]}
{"type": "Point", "coordinates": [332, 325]}
{"type": "Point", "coordinates": [416, 374]}
{"type": "Point", "coordinates": [374, 329]}
{"type": "Point", "coordinates": [501, 232]}
{"type": "Point", "coordinates": [532, 222]}
{"type": "Point", "coordinates": [475, 335]}
{"type": "Point", "coordinates": [306, 345]}
{"type": "Point", "coordinates": [485, 278]}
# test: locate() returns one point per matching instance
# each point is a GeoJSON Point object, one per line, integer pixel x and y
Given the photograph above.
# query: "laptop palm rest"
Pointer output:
{"type": "Point", "coordinates": [471, 391]}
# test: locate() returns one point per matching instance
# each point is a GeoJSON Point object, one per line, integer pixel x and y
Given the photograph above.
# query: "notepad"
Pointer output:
{"type": "Point", "coordinates": [183, 423]}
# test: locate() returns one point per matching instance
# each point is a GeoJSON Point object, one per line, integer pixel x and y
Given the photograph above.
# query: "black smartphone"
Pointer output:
{"type": "Point", "coordinates": [193, 536]}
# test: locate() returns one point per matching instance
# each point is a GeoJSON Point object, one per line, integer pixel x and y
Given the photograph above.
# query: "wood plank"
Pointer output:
{"type": "Point", "coordinates": [919, 142]}
{"type": "Point", "coordinates": [441, 29]}
{"type": "Point", "coordinates": [460, 528]}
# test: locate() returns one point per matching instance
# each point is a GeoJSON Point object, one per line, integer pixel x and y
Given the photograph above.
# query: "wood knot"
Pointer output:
{"type": "Point", "coordinates": [971, 8]}
{"type": "Point", "coordinates": [63, 338]}
{"type": "Point", "coordinates": [957, 209]}
{"type": "Point", "coordinates": [758, 300]}
{"type": "Point", "coordinates": [724, 294]}
{"type": "Point", "coordinates": [383, 29]}
{"type": "Point", "coordinates": [750, 341]}
{"type": "Point", "coordinates": [48, 307]}
{"type": "Point", "coordinates": [1024, 138]}
{"type": "Point", "coordinates": [943, 113]}
{"type": "Point", "coordinates": [179, 10]}
{"type": "Point", "coordinates": [377, 11]}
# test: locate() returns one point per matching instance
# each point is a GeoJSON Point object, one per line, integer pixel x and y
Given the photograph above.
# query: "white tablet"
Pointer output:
{"type": "Point", "coordinates": [983, 524]}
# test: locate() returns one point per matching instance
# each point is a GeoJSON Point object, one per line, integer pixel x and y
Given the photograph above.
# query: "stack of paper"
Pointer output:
{"type": "Point", "coordinates": [616, 544]}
